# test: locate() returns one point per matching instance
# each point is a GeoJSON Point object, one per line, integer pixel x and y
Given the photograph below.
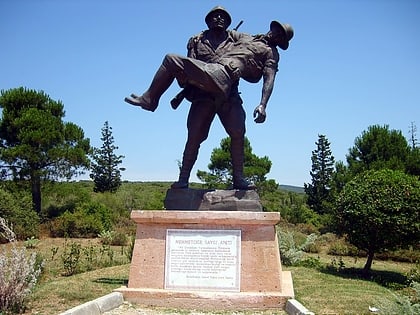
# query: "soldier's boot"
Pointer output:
{"type": "Point", "coordinates": [150, 99]}
{"type": "Point", "coordinates": [184, 174]}
{"type": "Point", "coordinates": [237, 154]}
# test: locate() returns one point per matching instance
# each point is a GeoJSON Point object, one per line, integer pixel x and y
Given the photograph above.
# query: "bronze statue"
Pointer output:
{"type": "Point", "coordinates": [217, 59]}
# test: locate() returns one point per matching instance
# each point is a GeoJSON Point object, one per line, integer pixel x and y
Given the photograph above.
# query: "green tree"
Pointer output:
{"type": "Point", "coordinates": [413, 135]}
{"type": "Point", "coordinates": [340, 177]}
{"type": "Point", "coordinates": [319, 191]}
{"type": "Point", "coordinates": [378, 210]}
{"type": "Point", "coordinates": [220, 175]}
{"type": "Point", "coordinates": [105, 171]}
{"type": "Point", "coordinates": [413, 164]}
{"type": "Point", "coordinates": [35, 143]}
{"type": "Point", "coordinates": [378, 148]}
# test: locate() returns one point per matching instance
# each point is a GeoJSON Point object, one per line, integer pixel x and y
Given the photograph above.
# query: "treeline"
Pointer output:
{"type": "Point", "coordinates": [73, 209]}
{"type": "Point", "coordinates": [375, 193]}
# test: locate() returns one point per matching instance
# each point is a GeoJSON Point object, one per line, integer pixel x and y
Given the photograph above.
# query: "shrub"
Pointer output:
{"type": "Point", "coordinates": [106, 237]}
{"type": "Point", "coordinates": [410, 255]}
{"type": "Point", "coordinates": [71, 258]}
{"type": "Point", "coordinates": [342, 248]}
{"type": "Point", "coordinates": [129, 252]}
{"type": "Point", "coordinates": [88, 220]}
{"type": "Point", "coordinates": [19, 273]}
{"type": "Point", "coordinates": [59, 197]}
{"type": "Point", "coordinates": [119, 239]}
{"type": "Point", "coordinates": [291, 253]}
{"type": "Point", "coordinates": [75, 225]}
{"type": "Point", "coordinates": [414, 274]}
{"type": "Point", "coordinates": [310, 262]}
{"type": "Point", "coordinates": [17, 210]}
{"type": "Point", "coordinates": [31, 242]}
{"type": "Point", "coordinates": [403, 304]}
{"type": "Point", "coordinates": [113, 238]}
{"type": "Point", "coordinates": [6, 232]}
{"type": "Point", "coordinates": [313, 248]}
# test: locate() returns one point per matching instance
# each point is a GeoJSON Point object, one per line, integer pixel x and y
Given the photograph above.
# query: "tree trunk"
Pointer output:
{"type": "Point", "coordinates": [368, 265]}
{"type": "Point", "coordinates": [36, 192]}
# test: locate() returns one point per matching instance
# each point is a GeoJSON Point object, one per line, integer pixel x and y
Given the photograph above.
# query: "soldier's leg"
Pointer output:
{"type": "Point", "coordinates": [200, 117]}
{"type": "Point", "coordinates": [171, 68]}
{"type": "Point", "coordinates": [233, 120]}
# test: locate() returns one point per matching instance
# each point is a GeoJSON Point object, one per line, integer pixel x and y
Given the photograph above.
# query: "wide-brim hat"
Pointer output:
{"type": "Point", "coordinates": [221, 9]}
{"type": "Point", "coordinates": [286, 30]}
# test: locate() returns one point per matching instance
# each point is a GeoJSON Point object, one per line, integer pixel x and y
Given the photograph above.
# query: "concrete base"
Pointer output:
{"type": "Point", "coordinates": [98, 306]}
{"type": "Point", "coordinates": [263, 283]}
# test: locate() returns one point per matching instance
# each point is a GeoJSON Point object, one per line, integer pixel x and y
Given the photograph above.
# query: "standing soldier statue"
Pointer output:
{"type": "Point", "coordinates": [217, 59]}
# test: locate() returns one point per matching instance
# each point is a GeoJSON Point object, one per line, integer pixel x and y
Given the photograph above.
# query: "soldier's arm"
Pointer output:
{"type": "Point", "coordinates": [269, 75]}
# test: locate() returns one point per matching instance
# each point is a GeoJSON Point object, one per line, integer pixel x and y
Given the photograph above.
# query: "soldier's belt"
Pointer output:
{"type": "Point", "coordinates": [233, 71]}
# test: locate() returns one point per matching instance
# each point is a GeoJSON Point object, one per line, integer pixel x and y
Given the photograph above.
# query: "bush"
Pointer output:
{"type": "Point", "coordinates": [17, 210]}
{"type": "Point", "coordinates": [414, 274]}
{"type": "Point", "coordinates": [59, 197]}
{"type": "Point", "coordinates": [291, 253]}
{"type": "Point", "coordinates": [410, 255]}
{"type": "Point", "coordinates": [310, 262]}
{"type": "Point", "coordinates": [19, 273]}
{"type": "Point", "coordinates": [342, 248]}
{"type": "Point", "coordinates": [113, 238]}
{"type": "Point", "coordinates": [403, 304]}
{"type": "Point", "coordinates": [88, 220]}
{"type": "Point", "coordinates": [77, 258]}
{"type": "Point", "coordinates": [71, 258]}
{"type": "Point", "coordinates": [296, 213]}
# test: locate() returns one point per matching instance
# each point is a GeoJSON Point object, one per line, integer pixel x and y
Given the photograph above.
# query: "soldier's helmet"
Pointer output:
{"type": "Point", "coordinates": [222, 10]}
{"type": "Point", "coordinates": [286, 30]}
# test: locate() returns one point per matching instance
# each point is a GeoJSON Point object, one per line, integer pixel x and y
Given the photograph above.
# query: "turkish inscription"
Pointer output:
{"type": "Point", "coordinates": [203, 259]}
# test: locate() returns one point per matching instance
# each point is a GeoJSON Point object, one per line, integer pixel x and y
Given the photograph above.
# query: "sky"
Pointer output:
{"type": "Point", "coordinates": [350, 65]}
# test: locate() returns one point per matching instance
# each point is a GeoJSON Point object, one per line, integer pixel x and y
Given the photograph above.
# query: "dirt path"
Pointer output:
{"type": "Point", "coordinates": [130, 309]}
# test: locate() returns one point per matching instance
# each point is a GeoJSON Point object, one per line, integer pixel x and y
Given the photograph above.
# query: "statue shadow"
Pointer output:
{"type": "Point", "coordinates": [111, 281]}
{"type": "Point", "coordinates": [385, 278]}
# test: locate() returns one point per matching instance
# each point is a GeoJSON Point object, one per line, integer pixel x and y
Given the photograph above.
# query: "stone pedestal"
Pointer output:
{"type": "Point", "coordinates": [212, 200]}
{"type": "Point", "coordinates": [263, 284]}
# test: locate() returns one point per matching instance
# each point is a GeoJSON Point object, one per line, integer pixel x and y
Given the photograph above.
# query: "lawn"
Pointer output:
{"type": "Point", "coordinates": [323, 291]}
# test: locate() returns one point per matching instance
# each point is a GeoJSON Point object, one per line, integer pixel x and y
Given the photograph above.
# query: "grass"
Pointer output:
{"type": "Point", "coordinates": [339, 288]}
{"type": "Point", "coordinates": [321, 290]}
{"type": "Point", "coordinates": [56, 293]}
{"type": "Point", "coordinates": [330, 294]}
{"type": "Point", "coordinates": [62, 293]}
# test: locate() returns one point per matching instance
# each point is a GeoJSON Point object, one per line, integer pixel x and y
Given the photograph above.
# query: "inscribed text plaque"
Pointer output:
{"type": "Point", "coordinates": [203, 259]}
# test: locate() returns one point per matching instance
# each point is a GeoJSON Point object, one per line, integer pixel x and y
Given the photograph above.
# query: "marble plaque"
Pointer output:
{"type": "Point", "coordinates": [203, 260]}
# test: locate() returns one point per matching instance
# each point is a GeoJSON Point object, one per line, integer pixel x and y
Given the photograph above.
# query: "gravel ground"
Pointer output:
{"type": "Point", "coordinates": [129, 309]}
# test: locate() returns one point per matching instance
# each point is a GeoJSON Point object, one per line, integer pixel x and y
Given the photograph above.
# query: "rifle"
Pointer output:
{"type": "Point", "coordinates": [177, 100]}
{"type": "Point", "coordinates": [237, 26]}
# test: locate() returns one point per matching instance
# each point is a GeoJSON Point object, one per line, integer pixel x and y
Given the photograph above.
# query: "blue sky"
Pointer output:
{"type": "Point", "coordinates": [351, 64]}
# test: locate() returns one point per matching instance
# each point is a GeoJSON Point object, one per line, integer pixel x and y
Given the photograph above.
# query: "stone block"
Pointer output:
{"type": "Point", "coordinates": [263, 284]}
{"type": "Point", "coordinates": [212, 200]}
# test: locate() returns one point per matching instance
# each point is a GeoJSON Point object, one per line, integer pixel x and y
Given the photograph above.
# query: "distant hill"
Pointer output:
{"type": "Point", "coordinates": [291, 188]}
{"type": "Point", "coordinates": [295, 189]}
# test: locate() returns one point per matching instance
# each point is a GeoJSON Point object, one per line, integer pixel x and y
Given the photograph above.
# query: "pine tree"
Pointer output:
{"type": "Point", "coordinates": [377, 148]}
{"type": "Point", "coordinates": [413, 135]}
{"type": "Point", "coordinates": [221, 169]}
{"type": "Point", "coordinates": [105, 171]}
{"type": "Point", "coordinates": [318, 191]}
{"type": "Point", "coordinates": [35, 143]}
